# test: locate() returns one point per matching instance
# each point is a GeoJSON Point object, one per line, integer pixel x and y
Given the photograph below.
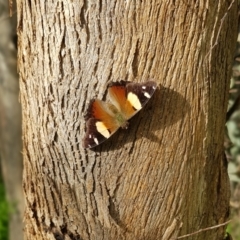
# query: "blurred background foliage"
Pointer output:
{"type": "Point", "coordinates": [4, 212]}
{"type": "Point", "coordinates": [232, 145]}
{"type": "Point", "coordinates": [11, 222]}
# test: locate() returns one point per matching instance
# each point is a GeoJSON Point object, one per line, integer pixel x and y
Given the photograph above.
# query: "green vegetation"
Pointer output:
{"type": "Point", "coordinates": [4, 213]}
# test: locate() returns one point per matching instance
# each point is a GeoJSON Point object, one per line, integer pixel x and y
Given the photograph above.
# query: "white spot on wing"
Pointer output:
{"type": "Point", "coordinates": [143, 87]}
{"type": "Point", "coordinates": [95, 140]}
{"type": "Point", "coordinates": [146, 94]}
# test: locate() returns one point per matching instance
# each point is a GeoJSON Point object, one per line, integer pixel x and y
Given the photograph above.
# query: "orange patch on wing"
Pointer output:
{"type": "Point", "coordinates": [100, 113]}
{"type": "Point", "coordinates": [118, 96]}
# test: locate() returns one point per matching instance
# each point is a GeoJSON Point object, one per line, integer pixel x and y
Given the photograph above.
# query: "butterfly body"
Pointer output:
{"type": "Point", "coordinates": [103, 118]}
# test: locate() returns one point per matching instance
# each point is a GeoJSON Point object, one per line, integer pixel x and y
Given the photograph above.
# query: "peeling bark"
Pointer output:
{"type": "Point", "coordinates": [164, 177]}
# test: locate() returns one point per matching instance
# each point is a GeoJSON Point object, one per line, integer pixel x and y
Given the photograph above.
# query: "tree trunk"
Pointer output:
{"type": "Point", "coordinates": [10, 123]}
{"type": "Point", "coordinates": [166, 175]}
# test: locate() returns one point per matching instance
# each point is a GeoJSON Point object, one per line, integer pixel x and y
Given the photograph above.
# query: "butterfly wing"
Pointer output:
{"type": "Point", "coordinates": [101, 123]}
{"type": "Point", "coordinates": [129, 98]}
{"type": "Point", "coordinates": [104, 119]}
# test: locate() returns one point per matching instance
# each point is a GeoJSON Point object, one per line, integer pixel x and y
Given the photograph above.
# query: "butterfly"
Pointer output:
{"type": "Point", "coordinates": [103, 119]}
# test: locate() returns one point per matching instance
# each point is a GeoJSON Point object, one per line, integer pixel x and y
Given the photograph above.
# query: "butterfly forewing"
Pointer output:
{"type": "Point", "coordinates": [138, 94]}
{"type": "Point", "coordinates": [101, 123]}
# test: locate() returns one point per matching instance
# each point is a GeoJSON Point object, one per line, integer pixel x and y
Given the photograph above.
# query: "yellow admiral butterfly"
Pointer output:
{"type": "Point", "coordinates": [103, 119]}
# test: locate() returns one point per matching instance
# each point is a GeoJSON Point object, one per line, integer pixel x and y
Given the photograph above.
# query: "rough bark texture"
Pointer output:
{"type": "Point", "coordinates": [164, 177]}
{"type": "Point", "coordinates": [10, 122]}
